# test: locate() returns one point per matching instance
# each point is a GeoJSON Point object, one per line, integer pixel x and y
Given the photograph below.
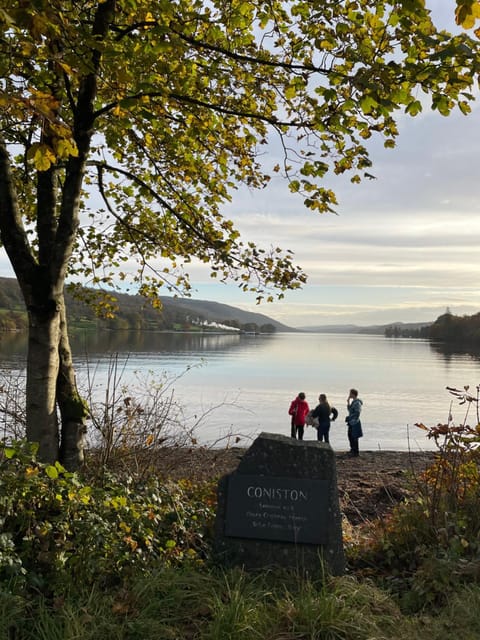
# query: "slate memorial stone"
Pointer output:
{"type": "Point", "coordinates": [281, 508]}
{"type": "Point", "coordinates": [285, 509]}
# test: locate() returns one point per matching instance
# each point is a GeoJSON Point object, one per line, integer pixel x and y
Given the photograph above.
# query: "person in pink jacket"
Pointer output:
{"type": "Point", "coordinates": [298, 410]}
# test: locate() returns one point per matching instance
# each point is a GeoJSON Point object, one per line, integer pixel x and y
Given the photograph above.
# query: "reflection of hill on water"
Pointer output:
{"type": "Point", "coordinates": [449, 349]}
{"type": "Point", "coordinates": [151, 342]}
{"type": "Point", "coordinates": [13, 343]}
{"type": "Point", "coordinates": [89, 343]}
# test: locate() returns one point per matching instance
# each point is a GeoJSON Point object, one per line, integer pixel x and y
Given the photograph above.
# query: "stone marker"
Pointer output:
{"type": "Point", "coordinates": [281, 508]}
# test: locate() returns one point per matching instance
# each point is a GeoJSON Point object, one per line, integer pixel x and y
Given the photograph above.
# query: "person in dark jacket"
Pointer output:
{"type": "Point", "coordinates": [298, 410]}
{"type": "Point", "coordinates": [354, 432]}
{"type": "Point", "coordinates": [325, 414]}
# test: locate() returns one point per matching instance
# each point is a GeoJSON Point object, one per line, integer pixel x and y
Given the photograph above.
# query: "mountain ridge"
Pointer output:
{"type": "Point", "coordinates": [182, 311]}
{"type": "Point", "coordinates": [136, 312]}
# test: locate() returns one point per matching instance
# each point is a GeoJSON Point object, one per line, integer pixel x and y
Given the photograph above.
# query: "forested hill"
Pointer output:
{"type": "Point", "coordinates": [134, 312]}
{"type": "Point", "coordinates": [462, 331]}
{"type": "Point", "coordinates": [458, 330]}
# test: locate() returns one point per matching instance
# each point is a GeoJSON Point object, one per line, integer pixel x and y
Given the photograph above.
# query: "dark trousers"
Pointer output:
{"type": "Point", "coordinates": [322, 434]}
{"type": "Point", "coordinates": [297, 431]}
{"type": "Point", "coordinates": [353, 442]}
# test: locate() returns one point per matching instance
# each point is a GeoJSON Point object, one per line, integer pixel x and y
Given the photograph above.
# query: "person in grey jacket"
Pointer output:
{"type": "Point", "coordinates": [354, 432]}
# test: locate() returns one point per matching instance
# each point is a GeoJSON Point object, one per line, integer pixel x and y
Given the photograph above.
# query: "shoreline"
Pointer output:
{"type": "Point", "coordinates": [369, 486]}
{"type": "Point", "coordinates": [204, 463]}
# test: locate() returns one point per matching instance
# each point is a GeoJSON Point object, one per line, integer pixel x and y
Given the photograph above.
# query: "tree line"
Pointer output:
{"type": "Point", "coordinates": [449, 328]}
{"type": "Point", "coordinates": [124, 312]}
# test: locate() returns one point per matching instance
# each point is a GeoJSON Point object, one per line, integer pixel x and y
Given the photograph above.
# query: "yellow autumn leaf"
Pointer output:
{"type": "Point", "coordinates": [68, 70]}
{"type": "Point", "coordinates": [42, 157]}
{"type": "Point", "coordinates": [467, 13]}
{"type": "Point", "coordinates": [133, 544]}
{"type": "Point", "coordinates": [66, 148]}
{"type": "Point", "coordinates": [290, 92]}
{"type": "Point", "coordinates": [31, 471]}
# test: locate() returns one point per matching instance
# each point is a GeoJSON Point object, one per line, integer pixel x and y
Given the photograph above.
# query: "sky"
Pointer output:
{"type": "Point", "coordinates": [400, 248]}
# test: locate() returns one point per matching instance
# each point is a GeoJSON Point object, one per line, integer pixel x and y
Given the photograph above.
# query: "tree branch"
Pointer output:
{"type": "Point", "coordinates": [239, 57]}
{"type": "Point", "coordinates": [212, 107]}
{"type": "Point", "coordinates": [161, 201]}
{"type": "Point", "coordinates": [12, 232]}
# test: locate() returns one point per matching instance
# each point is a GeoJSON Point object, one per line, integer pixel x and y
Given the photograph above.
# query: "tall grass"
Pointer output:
{"type": "Point", "coordinates": [199, 605]}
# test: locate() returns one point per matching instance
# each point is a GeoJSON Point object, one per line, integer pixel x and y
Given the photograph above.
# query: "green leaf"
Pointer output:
{"type": "Point", "coordinates": [414, 108]}
{"type": "Point", "coordinates": [368, 104]}
{"type": "Point", "coordinates": [51, 472]}
{"type": "Point", "coordinates": [290, 92]}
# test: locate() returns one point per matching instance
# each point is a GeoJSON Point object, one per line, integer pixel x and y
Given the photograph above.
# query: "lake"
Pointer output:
{"type": "Point", "coordinates": [244, 384]}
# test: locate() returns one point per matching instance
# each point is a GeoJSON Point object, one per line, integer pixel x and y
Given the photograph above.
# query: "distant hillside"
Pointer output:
{"type": "Point", "coordinates": [332, 328]}
{"type": "Point", "coordinates": [135, 312]}
{"type": "Point", "coordinates": [217, 312]}
{"type": "Point", "coordinates": [374, 329]}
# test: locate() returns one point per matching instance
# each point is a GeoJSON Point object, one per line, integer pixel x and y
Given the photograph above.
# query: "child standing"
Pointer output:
{"type": "Point", "coordinates": [298, 410]}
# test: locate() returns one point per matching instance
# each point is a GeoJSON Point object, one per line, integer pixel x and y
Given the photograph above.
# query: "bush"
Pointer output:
{"type": "Point", "coordinates": [57, 530]}
{"type": "Point", "coordinates": [430, 544]}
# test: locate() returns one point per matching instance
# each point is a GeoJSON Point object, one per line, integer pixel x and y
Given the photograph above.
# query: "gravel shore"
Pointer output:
{"type": "Point", "coordinates": [369, 486]}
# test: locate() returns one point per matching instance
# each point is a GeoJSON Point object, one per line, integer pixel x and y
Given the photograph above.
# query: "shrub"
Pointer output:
{"type": "Point", "coordinates": [430, 544]}
{"type": "Point", "coordinates": [57, 530]}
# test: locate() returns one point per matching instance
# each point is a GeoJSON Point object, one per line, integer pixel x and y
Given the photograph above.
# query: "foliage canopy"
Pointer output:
{"type": "Point", "coordinates": [126, 125]}
{"type": "Point", "coordinates": [180, 97]}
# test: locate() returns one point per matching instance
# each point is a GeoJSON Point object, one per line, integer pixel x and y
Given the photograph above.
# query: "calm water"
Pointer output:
{"type": "Point", "coordinates": [244, 384]}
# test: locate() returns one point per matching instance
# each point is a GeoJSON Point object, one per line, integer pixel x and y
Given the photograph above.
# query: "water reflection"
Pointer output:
{"type": "Point", "coordinates": [452, 352]}
{"type": "Point", "coordinates": [138, 342]}
{"type": "Point", "coordinates": [14, 345]}
{"type": "Point", "coordinates": [13, 348]}
{"type": "Point", "coordinates": [254, 378]}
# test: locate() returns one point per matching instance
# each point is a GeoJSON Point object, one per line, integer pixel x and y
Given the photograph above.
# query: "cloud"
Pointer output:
{"type": "Point", "coordinates": [408, 241]}
{"type": "Point", "coordinates": [403, 246]}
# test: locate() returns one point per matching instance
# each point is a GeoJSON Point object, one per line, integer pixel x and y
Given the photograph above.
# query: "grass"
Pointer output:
{"type": "Point", "coordinates": [193, 604]}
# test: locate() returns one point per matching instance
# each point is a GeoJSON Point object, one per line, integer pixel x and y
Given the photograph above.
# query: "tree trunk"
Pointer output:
{"type": "Point", "coordinates": [73, 409]}
{"type": "Point", "coordinates": [42, 374]}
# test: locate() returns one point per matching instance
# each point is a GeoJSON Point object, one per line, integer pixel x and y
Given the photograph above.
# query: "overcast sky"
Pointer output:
{"type": "Point", "coordinates": [402, 247]}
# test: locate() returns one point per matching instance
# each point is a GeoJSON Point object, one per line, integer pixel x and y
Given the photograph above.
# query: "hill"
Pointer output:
{"type": "Point", "coordinates": [135, 312]}
{"type": "Point", "coordinates": [224, 313]}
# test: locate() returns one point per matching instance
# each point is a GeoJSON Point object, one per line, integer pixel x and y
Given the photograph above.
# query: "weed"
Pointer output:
{"type": "Point", "coordinates": [423, 549]}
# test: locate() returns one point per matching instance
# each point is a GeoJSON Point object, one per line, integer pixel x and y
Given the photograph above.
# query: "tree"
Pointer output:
{"type": "Point", "coordinates": [125, 125]}
{"type": "Point", "coordinates": [267, 328]}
